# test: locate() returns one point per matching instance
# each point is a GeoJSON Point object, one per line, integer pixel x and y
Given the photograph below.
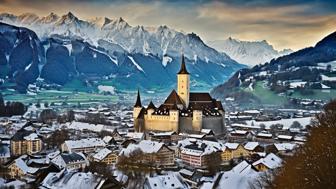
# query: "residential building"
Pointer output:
{"type": "Point", "coordinates": [233, 151]}
{"type": "Point", "coordinates": [70, 161]}
{"type": "Point", "coordinates": [254, 147]}
{"type": "Point", "coordinates": [271, 161]}
{"type": "Point", "coordinates": [18, 168]}
{"type": "Point", "coordinates": [198, 153]}
{"type": "Point", "coordinates": [152, 153]}
{"type": "Point", "coordinates": [264, 137]}
{"type": "Point", "coordinates": [106, 156]}
{"type": "Point", "coordinates": [87, 145]}
{"type": "Point", "coordinates": [25, 142]}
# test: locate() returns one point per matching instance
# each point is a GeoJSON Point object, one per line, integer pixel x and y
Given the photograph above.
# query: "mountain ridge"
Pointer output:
{"type": "Point", "coordinates": [296, 75]}
{"type": "Point", "coordinates": [117, 31]}
{"type": "Point", "coordinates": [146, 63]}
{"type": "Point", "coordinates": [248, 52]}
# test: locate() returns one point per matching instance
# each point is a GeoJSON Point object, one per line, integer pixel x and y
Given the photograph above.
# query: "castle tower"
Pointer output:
{"type": "Point", "coordinates": [183, 83]}
{"type": "Point", "coordinates": [174, 118]}
{"type": "Point", "coordinates": [197, 120]}
{"type": "Point", "coordinates": [150, 109]}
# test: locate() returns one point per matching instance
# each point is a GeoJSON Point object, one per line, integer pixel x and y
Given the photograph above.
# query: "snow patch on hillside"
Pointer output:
{"type": "Point", "coordinates": [166, 60]}
{"type": "Point", "coordinates": [136, 64]}
{"type": "Point", "coordinates": [105, 88]}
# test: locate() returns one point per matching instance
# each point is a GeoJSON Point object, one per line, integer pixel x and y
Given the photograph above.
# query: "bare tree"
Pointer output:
{"type": "Point", "coordinates": [313, 165]}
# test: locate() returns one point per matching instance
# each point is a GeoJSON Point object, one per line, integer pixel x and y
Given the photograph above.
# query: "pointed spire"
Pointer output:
{"type": "Point", "coordinates": [138, 101]}
{"type": "Point", "coordinates": [183, 69]}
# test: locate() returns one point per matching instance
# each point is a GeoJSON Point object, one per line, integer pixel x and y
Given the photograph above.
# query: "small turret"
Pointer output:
{"type": "Point", "coordinates": [151, 106]}
{"type": "Point", "coordinates": [150, 109]}
{"type": "Point", "coordinates": [138, 101]}
{"type": "Point", "coordinates": [136, 112]}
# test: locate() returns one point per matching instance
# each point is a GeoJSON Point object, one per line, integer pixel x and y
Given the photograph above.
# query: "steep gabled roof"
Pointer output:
{"type": "Point", "coordinates": [20, 134]}
{"type": "Point", "coordinates": [138, 101]}
{"type": "Point", "coordinates": [173, 98]}
{"type": "Point", "coordinates": [183, 69]}
{"type": "Point", "coordinates": [174, 107]}
{"type": "Point", "coordinates": [151, 106]}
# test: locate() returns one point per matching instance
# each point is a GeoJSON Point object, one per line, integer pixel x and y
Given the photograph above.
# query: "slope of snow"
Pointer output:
{"type": "Point", "coordinates": [136, 64]}
{"type": "Point", "coordinates": [326, 78]}
{"type": "Point", "coordinates": [166, 60]}
{"type": "Point", "coordinates": [105, 88]}
{"type": "Point", "coordinates": [285, 122]}
{"type": "Point", "coordinates": [246, 52]}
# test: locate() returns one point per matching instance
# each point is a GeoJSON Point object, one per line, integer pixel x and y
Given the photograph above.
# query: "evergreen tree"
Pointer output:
{"type": "Point", "coordinates": [2, 102]}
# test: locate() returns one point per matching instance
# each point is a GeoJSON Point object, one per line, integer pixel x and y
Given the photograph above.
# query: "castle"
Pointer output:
{"type": "Point", "coordinates": [182, 111]}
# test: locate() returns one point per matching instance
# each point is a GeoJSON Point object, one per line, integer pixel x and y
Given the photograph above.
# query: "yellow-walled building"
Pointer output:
{"type": "Point", "coordinates": [25, 142]}
{"type": "Point", "coordinates": [233, 151]}
{"type": "Point", "coordinates": [106, 156]}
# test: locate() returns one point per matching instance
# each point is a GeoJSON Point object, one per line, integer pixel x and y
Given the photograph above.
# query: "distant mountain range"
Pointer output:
{"type": "Point", "coordinates": [58, 49]}
{"type": "Point", "coordinates": [309, 73]}
{"type": "Point", "coordinates": [250, 53]}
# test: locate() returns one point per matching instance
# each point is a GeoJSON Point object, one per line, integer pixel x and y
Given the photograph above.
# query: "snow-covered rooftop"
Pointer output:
{"type": "Point", "coordinates": [168, 133]}
{"type": "Point", "coordinates": [285, 137]}
{"type": "Point", "coordinates": [71, 180]}
{"type": "Point", "coordinates": [240, 177]}
{"type": "Point", "coordinates": [146, 146]}
{"type": "Point", "coordinates": [171, 180]}
{"type": "Point", "coordinates": [285, 146]}
{"type": "Point", "coordinates": [85, 143]}
{"type": "Point", "coordinates": [24, 167]}
{"type": "Point", "coordinates": [85, 126]}
{"type": "Point", "coordinates": [232, 146]}
{"type": "Point", "coordinates": [271, 161]}
{"type": "Point", "coordinates": [262, 134]}
{"type": "Point", "coordinates": [107, 139]}
{"type": "Point", "coordinates": [32, 136]}
{"type": "Point", "coordinates": [239, 132]}
{"type": "Point", "coordinates": [101, 154]}
{"type": "Point", "coordinates": [251, 145]}
{"type": "Point", "coordinates": [135, 135]}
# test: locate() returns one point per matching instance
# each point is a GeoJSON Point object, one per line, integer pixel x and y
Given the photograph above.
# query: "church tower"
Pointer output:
{"type": "Point", "coordinates": [183, 82]}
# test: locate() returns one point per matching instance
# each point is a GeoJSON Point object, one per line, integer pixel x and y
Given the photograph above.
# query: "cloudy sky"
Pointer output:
{"type": "Point", "coordinates": [284, 23]}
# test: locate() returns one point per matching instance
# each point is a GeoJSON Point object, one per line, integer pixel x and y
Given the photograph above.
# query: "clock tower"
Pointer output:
{"type": "Point", "coordinates": [183, 83]}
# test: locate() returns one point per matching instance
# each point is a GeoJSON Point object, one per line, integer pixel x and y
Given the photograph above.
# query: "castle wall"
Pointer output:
{"type": "Point", "coordinates": [185, 124]}
{"type": "Point", "coordinates": [160, 123]}
{"type": "Point", "coordinates": [216, 124]}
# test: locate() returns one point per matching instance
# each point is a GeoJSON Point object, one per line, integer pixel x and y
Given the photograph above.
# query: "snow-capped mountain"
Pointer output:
{"type": "Point", "coordinates": [302, 74]}
{"type": "Point", "coordinates": [21, 55]}
{"type": "Point", "coordinates": [248, 52]}
{"type": "Point", "coordinates": [138, 39]}
{"type": "Point", "coordinates": [131, 56]}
